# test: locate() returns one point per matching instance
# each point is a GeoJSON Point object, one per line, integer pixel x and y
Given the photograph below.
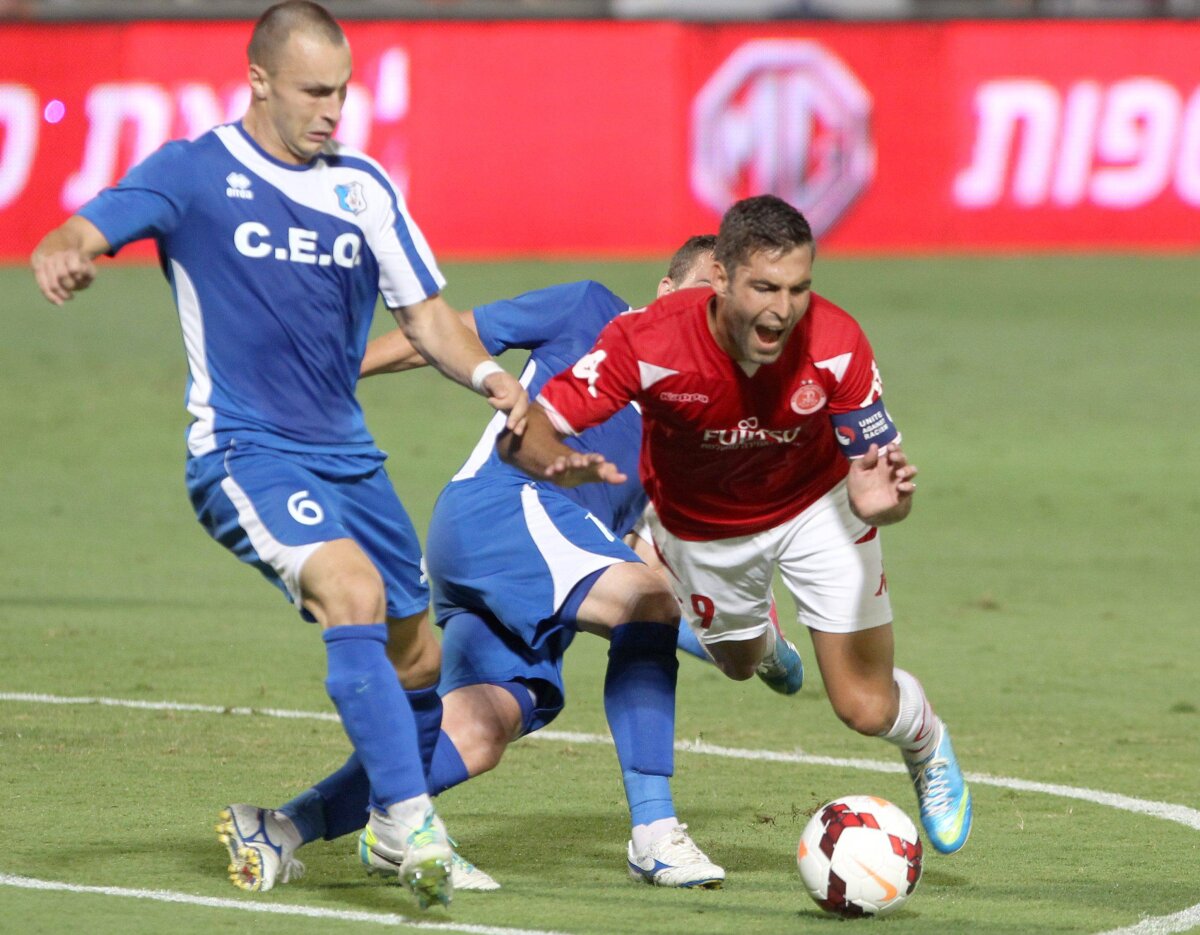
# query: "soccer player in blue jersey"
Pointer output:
{"type": "Point", "coordinates": [276, 241]}
{"type": "Point", "coordinates": [517, 568]}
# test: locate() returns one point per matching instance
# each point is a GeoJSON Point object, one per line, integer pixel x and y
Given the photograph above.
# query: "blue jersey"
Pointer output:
{"type": "Point", "coordinates": [275, 269]}
{"type": "Point", "coordinates": [559, 325]}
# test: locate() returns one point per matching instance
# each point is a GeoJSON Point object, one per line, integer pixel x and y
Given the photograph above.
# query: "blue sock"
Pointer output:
{"type": "Point", "coordinates": [448, 768]}
{"type": "Point", "coordinates": [426, 706]}
{"type": "Point", "coordinates": [690, 643]}
{"type": "Point", "coordinates": [335, 806]}
{"type": "Point", "coordinates": [639, 700]}
{"type": "Point", "coordinates": [374, 711]}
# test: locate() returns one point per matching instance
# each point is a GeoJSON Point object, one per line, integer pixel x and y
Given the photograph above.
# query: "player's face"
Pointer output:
{"type": "Point", "coordinates": [302, 97]}
{"type": "Point", "coordinates": [759, 303]}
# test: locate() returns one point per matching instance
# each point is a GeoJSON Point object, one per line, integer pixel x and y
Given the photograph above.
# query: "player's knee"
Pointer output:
{"type": "Point", "coordinates": [738, 670]}
{"type": "Point", "coordinates": [482, 743]}
{"type": "Point", "coordinates": [867, 713]}
{"type": "Point", "coordinates": [736, 659]}
{"type": "Point", "coordinates": [651, 600]}
{"type": "Point", "coordinates": [349, 594]}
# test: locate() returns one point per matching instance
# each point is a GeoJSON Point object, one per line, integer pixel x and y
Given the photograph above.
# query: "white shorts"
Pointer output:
{"type": "Point", "coordinates": [829, 559]}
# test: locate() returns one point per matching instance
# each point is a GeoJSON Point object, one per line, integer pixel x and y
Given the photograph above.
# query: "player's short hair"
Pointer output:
{"type": "Point", "coordinates": [685, 257]}
{"type": "Point", "coordinates": [277, 24]}
{"type": "Point", "coordinates": [762, 223]}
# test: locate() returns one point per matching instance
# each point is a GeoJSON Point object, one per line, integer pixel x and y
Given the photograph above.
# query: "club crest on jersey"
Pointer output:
{"type": "Point", "coordinates": [351, 197]}
{"type": "Point", "coordinates": [808, 399]}
{"type": "Point", "coordinates": [239, 186]}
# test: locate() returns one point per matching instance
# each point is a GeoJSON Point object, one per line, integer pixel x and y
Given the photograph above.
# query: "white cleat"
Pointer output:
{"type": "Point", "coordinates": [675, 860]}
{"type": "Point", "coordinates": [423, 858]}
{"type": "Point", "coordinates": [463, 874]}
{"type": "Point", "coordinates": [259, 855]}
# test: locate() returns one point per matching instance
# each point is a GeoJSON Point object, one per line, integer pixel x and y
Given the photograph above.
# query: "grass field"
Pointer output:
{"type": "Point", "coordinates": [1044, 590]}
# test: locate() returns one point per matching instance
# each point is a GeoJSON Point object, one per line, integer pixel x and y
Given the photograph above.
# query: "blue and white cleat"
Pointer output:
{"type": "Point", "coordinates": [675, 860]}
{"type": "Point", "coordinates": [464, 875]}
{"type": "Point", "coordinates": [943, 795]}
{"type": "Point", "coordinates": [422, 858]}
{"type": "Point", "coordinates": [783, 670]}
{"type": "Point", "coordinates": [259, 855]}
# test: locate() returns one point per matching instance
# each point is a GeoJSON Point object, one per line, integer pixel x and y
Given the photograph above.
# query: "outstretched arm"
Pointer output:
{"type": "Point", "coordinates": [62, 262]}
{"type": "Point", "coordinates": [541, 454]}
{"type": "Point", "coordinates": [881, 486]}
{"type": "Point", "coordinates": [440, 337]}
{"type": "Point", "coordinates": [394, 352]}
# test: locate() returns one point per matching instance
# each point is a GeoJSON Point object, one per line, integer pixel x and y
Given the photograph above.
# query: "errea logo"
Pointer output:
{"type": "Point", "coordinates": [239, 186]}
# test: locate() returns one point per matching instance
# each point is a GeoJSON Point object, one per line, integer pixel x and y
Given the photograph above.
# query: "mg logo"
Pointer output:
{"type": "Point", "coordinates": [787, 118]}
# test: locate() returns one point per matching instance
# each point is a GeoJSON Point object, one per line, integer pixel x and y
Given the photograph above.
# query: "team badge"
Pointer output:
{"type": "Point", "coordinates": [808, 399]}
{"type": "Point", "coordinates": [351, 197]}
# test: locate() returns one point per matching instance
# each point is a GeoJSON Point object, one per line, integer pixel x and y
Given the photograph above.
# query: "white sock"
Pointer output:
{"type": "Point", "coordinates": [772, 644]}
{"type": "Point", "coordinates": [917, 729]}
{"type": "Point", "coordinates": [645, 835]}
{"type": "Point", "coordinates": [410, 812]}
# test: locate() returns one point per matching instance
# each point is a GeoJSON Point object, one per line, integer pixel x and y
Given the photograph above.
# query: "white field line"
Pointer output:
{"type": "Point", "coordinates": [282, 909]}
{"type": "Point", "coordinates": [1160, 925]}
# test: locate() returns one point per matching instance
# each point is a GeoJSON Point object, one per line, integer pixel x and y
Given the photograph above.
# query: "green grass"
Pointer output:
{"type": "Point", "coordinates": [1044, 591]}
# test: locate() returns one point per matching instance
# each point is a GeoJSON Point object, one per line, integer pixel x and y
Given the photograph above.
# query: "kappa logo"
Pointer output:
{"type": "Point", "coordinates": [351, 197]}
{"type": "Point", "coordinates": [669, 397]}
{"type": "Point", "coordinates": [784, 117]}
{"type": "Point", "coordinates": [239, 186]}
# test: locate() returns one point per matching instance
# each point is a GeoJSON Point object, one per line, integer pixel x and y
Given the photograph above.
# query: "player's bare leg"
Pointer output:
{"type": "Point", "coordinates": [878, 700]}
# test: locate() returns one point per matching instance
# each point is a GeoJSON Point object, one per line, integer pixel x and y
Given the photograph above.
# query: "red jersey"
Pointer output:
{"type": "Point", "coordinates": [723, 454]}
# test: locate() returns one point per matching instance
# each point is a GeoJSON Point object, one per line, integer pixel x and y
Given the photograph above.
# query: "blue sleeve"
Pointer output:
{"type": "Point", "coordinates": [571, 314]}
{"type": "Point", "coordinates": [148, 202]}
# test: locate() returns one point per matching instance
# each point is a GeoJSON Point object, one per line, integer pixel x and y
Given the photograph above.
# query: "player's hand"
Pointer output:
{"type": "Point", "coordinates": [62, 273]}
{"type": "Point", "coordinates": [881, 485]}
{"type": "Point", "coordinates": [579, 468]}
{"type": "Point", "coordinates": [506, 394]}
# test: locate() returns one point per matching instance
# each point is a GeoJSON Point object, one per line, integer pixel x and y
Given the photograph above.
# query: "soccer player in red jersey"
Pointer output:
{"type": "Point", "coordinates": [766, 446]}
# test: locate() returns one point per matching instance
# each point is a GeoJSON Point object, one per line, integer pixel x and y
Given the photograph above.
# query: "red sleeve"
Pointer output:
{"type": "Point", "coordinates": [598, 385]}
{"type": "Point", "coordinates": [861, 384]}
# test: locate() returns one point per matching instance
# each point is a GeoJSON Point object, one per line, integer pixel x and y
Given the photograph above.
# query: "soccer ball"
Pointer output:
{"type": "Point", "coordinates": [859, 856]}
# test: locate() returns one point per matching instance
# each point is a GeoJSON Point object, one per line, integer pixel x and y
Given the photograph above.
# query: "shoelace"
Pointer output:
{"type": "Point", "coordinates": [933, 787]}
{"type": "Point", "coordinates": [678, 839]}
{"type": "Point", "coordinates": [425, 835]}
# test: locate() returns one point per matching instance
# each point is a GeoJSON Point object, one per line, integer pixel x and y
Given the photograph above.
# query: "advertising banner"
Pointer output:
{"type": "Point", "coordinates": [590, 138]}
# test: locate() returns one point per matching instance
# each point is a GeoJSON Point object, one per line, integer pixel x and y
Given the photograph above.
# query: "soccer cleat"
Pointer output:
{"type": "Point", "coordinates": [943, 795]}
{"type": "Point", "coordinates": [675, 860]}
{"type": "Point", "coordinates": [422, 859]}
{"type": "Point", "coordinates": [259, 855]}
{"type": "Point", "coordinates": [783, 670]}
{"type": "Point", "coordinates": [464, 875]}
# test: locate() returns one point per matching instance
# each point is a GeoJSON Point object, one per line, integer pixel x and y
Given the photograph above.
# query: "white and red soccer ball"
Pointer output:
{"type": "Point", "coordinates": [859, 856]}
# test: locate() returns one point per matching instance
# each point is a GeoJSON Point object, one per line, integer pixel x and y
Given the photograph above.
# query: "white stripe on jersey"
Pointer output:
{"type": "Point", "coordinates": [200, 437]}
{"type": "Point", "coordinates": [314, 188]}
{"type": "Point", "coordinates": [567, 562]}
{"type": "Point", "coordinates": [287, 560]}
{"type": "Point", "coordinates": [487, 441]}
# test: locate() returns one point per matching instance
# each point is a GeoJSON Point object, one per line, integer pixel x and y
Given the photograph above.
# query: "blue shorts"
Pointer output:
{"type": "Point", "coordinates": [514, 550]}
{"type": "Point", "coordinates": [274, 508]}
{"type": "Point", "coordinates": [478, 650]}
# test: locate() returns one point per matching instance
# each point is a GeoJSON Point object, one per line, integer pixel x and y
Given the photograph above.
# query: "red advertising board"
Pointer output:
{"type": "Point", "coordinates": [577, 138]}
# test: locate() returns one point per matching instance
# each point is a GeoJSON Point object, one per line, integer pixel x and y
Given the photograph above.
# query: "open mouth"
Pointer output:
{"type": "Point", "coordinates": [768, 336]}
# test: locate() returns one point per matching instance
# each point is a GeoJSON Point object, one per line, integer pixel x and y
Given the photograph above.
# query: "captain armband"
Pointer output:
{"type": "Point", "coordinates": [857, 431]}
